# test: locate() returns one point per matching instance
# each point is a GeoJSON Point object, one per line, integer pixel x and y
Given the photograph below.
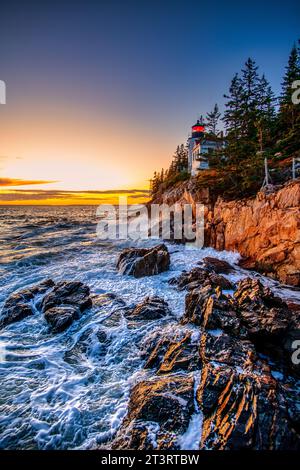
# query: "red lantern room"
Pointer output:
{"type": "Point", "coordinates": [198, 129]}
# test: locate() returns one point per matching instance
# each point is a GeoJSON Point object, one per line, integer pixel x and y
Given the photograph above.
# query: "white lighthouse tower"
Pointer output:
{"type": "Point", "coordinates": [198, 131]}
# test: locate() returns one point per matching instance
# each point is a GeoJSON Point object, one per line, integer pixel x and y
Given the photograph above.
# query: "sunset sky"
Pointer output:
{"type": "Point", "coordinates": [99, 94]}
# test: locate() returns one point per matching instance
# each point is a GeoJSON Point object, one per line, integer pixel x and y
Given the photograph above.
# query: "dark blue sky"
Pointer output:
{"type": "Point", "coordinates": [152, 66]}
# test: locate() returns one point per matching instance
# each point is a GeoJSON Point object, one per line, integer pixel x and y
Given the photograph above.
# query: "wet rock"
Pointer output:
{"type": "Point", "coordinates": [140, 262]}
{"type": "Point", "coordinates": [60, 318]}
{"type": "Point", "coordinates": [174, 353]}
{"type": "Point", "coordinates": [217, 265]}
{"type": "Point", "coordinates": [244, 407]}
{"type": "Point", "coordinates": [102, 300]}
{"type": "Point", "coordinates": [226, 349]}
{"type": "Point", "coordinates": [159, 410]}
{"type": "Point", "coordinates": [151, 308]}
{"type": "Point", "coordinates": [248, 400]}
{"type": "Point", "coordinates": [247, 263]}
{"type": "Point", "coordinates": [195, 302]}
{"type": "Point", "coordinates": [199, 277]}
{"type": "Point", "coordinates": [68, 293]}
{"type": "Point", "coordinates": [19, 304]}
{"type": "Point", "coordinates": [244, 410]}
{"type": "Point", "coordinates": [210, 309]}
{"type": "Point", "coordinates": [264, 315]}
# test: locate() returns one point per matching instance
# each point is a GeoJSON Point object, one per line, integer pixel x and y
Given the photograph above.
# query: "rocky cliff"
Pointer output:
{"type": "Point", "coordinates": [265, 230]}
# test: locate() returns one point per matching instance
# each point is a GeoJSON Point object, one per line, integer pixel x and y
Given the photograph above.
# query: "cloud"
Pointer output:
{"type": "Point", "coordinates": [40, 195]}
{"type": "Point", "coordinates": [20, 182]}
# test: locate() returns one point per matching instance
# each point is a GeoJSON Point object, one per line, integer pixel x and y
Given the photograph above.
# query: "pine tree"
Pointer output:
{"type": "Point", "coordinates": [154, 184]}
{"type": "Point", "coordinates": [250, 114]}
{"type": "Point", "coordinates": [183, 159]}
{"type": "Point", "coordinates": [161, 176]}
{"type": "Point", "coordinates": [266, 114]}
{"type": "Point", "coordinates": [288, 111]}
{"type": "Point", "coordinates": [212, 120]}
{"type": "Point", "coordinates": [250, 99]}
{"type": "Point", "coordinates": [233, 114]}
{"type": "Point", "coordinates": [233, 118]}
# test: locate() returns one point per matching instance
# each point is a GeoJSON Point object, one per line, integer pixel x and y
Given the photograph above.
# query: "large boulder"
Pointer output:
{"type": "Point", "coordinates": [217, 265]}
{"type": "Point", "coordinates": [64, 303]}
{"type": "Point", "coordinates": [60, 318]}
{"type": "Point", "coordinates": [151, 308]}
{"type": "Point", "coordinates": [199, 277]}
{"type": "Point", "coordinates": [68, 293]}
{"type": "Point", "coordinates": [19, 305]}
{"type": "Point", "coordinates": [140, 262]}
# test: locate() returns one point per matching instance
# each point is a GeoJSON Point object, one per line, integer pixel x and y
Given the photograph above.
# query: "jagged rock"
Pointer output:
{"type": "Point", "coordinates": [254, 313]}
{"type": "Point", "coordinates": [264, 315]}
{"type": "Point", "coordinates": [217, 265]}
{"type": "Point", "coordinates": [244, 407]}
{"type": "Point", "coordinates": [160, 406]}
{"type": "Point", "coordinates": [60, 318]}
{"type": "Point", "coordinates": [210, 309]}
{"type": "Point", "coordinates": [68, 293]}
{"type": "Point", "coordinates": [199, 277]}
{"type": "Point", "coordinates": [264, 229]}
{"type": "Point", "coordinates": [244, 411]}
{"type": "Point", "coordinates": [226, 349]}
{"type": "Point", "coordinates": [151, 308]}
{"type": "Point", "coordinates": [174, 353]}
{"type": "Point", "coordinates": [244, 403]}
{"type": "Point", "coordinates": [19, 304]}
{"type": "Point", "coordinates": [194, 304]}
{"type": "Point", "coordinates": [140, 262]}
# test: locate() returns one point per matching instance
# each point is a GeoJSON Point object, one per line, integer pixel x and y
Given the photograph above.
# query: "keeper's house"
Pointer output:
{"type": "Point", "coordinates": [200, 146]}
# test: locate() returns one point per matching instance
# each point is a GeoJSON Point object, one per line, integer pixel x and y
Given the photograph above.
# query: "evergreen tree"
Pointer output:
{"type": "Point", "coordinates": [233, 117]}
{"type": "Point", "coordinates": [250, 114]}
{"type": "Point", "coordinates": [250, 99]}
{"type": "Point", "coordinates": [154, 184]}
{"type": "Point", "coordinates": [288, 111]}
{"type": "Point", "coordinates": [233, 114]}
{"type": "Point", "coordinates": [212, 120]}
{"type": "Point", "coordinates": [182, 159]}
{"type": "Point", "coordinates": [161, 176]}
{"type": "Point", "coordinates": [266, 114]}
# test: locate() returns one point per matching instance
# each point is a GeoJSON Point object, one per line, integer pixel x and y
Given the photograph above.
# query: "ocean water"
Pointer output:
{"type": "Point", "coordinates": [71, 390]}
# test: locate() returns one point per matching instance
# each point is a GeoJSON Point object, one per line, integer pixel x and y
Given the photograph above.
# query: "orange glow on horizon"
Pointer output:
{"type": "Point", "coordinates": [68, 198]}
{"type": "Point", "coordinates": [77, 152]}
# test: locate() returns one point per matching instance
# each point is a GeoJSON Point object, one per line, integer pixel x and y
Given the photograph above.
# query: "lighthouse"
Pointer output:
{"type": "Point", "coordinates": [198, 131]}
{"type": "Point", "coordinates": [201, 145]}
